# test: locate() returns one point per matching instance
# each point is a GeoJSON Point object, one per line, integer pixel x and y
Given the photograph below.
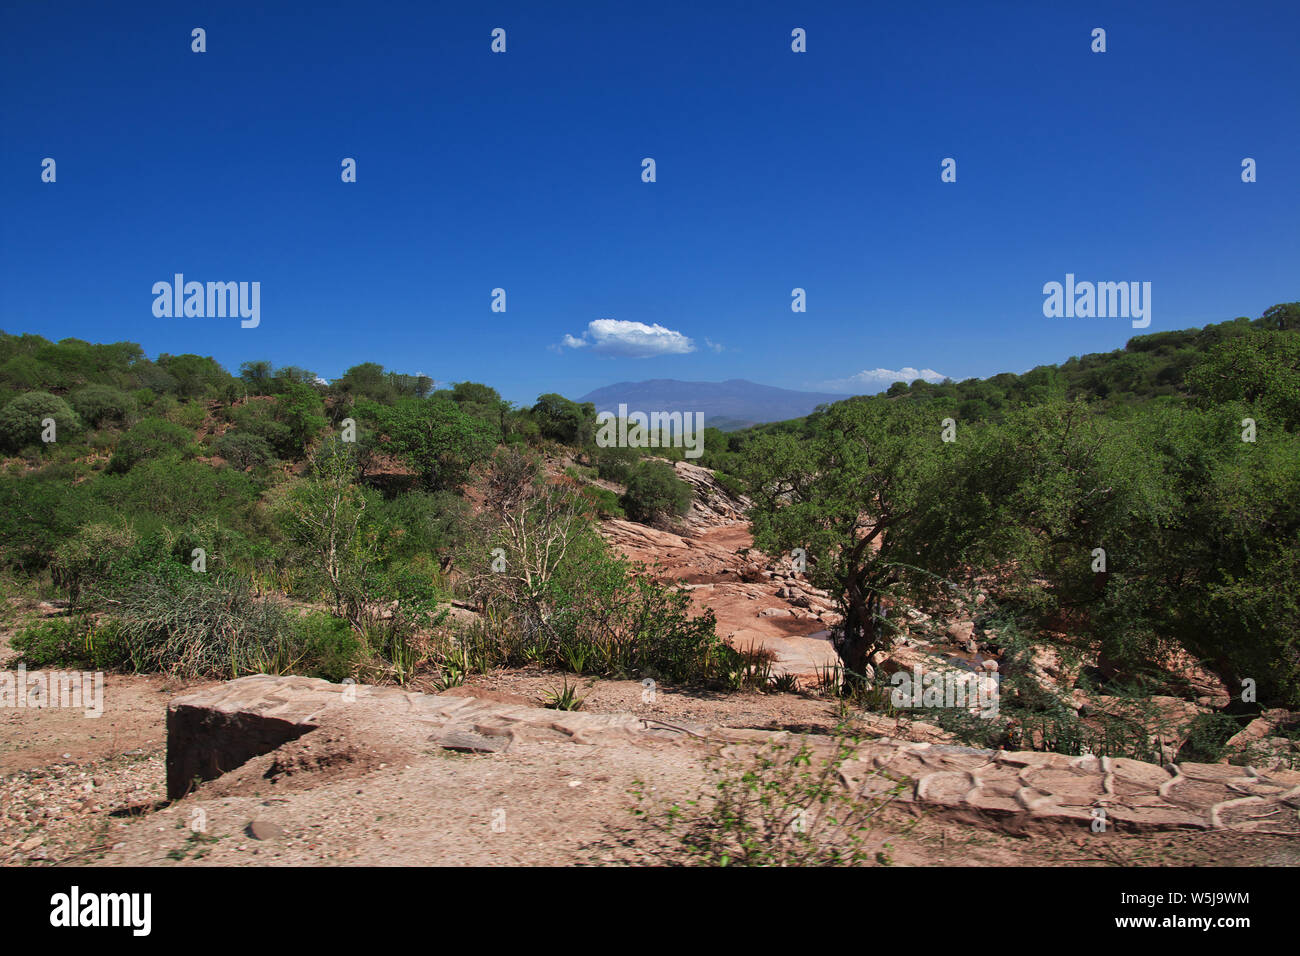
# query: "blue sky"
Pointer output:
{"type": "Point", "coordinates": [522, 171]}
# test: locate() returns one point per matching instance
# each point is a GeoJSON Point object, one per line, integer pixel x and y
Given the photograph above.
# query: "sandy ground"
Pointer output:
{"type": "Point", "coordinates": [82, 791]}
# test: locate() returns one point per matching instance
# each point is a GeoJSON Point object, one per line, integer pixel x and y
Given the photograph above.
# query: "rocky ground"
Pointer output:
{"type": "Point", "coordinates": [76, 791]}
{"type": "Point", "coordinates": [760, 601]}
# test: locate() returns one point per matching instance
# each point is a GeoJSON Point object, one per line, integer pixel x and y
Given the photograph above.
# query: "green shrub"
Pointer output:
{"type": "Point", "coordinates": [604, 501]}
{"type": "Point", "coordinates": [38, 512]}
{"type": "Point", "coordinates": [243, 450]}
{"type": "Point", "coordinates": [175, 492]}
{"type": "Point", "coordinates": [100, 405]}
{"type": "Point", "coordinates": [288, 423]}
{"type": "Point", "coordinates": [202, 626]}
{"type": "Point", "coordinates": [616, 463]}
{"type": "Point", "coordinates": [89, 556]}
{"type": "Point", "coordinates": [149, 439]}
{"type": "Point", "coordinates": [730, 484]}
{"type": "Point", "coordinates": [20, 420]}
{"type": "Point", "coordinates": [654, 492]}
{"type": "Point", "coordinates": [436, 439]}
{"type": "Point", "coordinates": [790, 803]}
{"type": "Point", "coordinates": [330, 647]}
{"type": "Point", "coordinates": [590, 612]}
{"type": "Point", "coordinates": [1208, 736]}
{"type": "Point", "coordinates": [190, 415]}
{"type": "Point", "coordinates": [70, 643]}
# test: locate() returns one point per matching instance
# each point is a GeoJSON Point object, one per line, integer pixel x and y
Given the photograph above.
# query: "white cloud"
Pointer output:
{"type": "Point", "coordinates": [715, 346]}
{"type": "Point", "coordinates": [879, 379]}
{"type": "Point", "coordinates": [630, 339]}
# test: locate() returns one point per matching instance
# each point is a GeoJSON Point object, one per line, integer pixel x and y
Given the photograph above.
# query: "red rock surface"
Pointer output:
{"type": "Point", "coordinates": [759, 601]}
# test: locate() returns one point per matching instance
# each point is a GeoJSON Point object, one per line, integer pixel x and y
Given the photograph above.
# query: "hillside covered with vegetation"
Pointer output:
{"type": "Point", "coordinates": [207, 523]}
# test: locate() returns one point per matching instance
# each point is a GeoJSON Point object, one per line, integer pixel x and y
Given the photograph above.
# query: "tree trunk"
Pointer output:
{"type": "Point", "coordinates": [856, 639]}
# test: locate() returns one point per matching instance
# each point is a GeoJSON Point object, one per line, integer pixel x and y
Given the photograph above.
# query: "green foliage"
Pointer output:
{"type": "Point", "coordinates": [1261, 369]}
{"type": "Point", "coordinates": [330, 646]}
{"type": "Point", "coordinates": [147, 440]}
{"type": "Point", "coordinates": [437, 440]}
{"type": "Point", "coordinates": [1208, 736]}
{"type": "Point", "coordinates": [616, 463]}
{"type": "Point", "coordinates": [783, 806]}
{"type": "Point", "coordinates": [190, 415]}
{"type": "Point", "coordinates": [369, 381]}
{"type": "Point", "coordinates": [604, 502]}
{"type": "Point", "coordinates": [196, 626]}
{"type": "Point", "coordinates": [288, 423]}
{"type": "Point", "coordinates": [655, 493]}
{"type": "Point", "coordinates": [564, 698]}
{"type": "Point", "coordinates": [100, 405]}
{"type": "Point", "coordinates": [175, 492]}
{"type": "Point", "coordinates": [89, 556]}
{"type": "Point", "coordinates": [852, 497]}
{"type": "Point", "coordinates": [555, 594]}
{"type": "Point", "coordinates": [192, 376]}
{"type": "Point", "coordinates": [69, 643]}
{"type": "Point", "coordinates": [564, 421]}
{"type": "Point", "coordinates": [243, 449]}
{"type": "Point", "coordinates": [21, 417]}
{"type": "Point", "coordinates": [300, 409]}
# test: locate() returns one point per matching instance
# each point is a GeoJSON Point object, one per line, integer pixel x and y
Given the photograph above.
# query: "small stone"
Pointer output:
{"type": "Point", "coordinates": [469, 741]}
{"type": "Point", "coordinates": [264, 830]}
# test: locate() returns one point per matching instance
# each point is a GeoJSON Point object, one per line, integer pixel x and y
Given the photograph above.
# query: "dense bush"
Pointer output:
{"type": "Point", "coordinates": [616, 463]}
{"type": "Point", "coordinates": [100, 405]}
{"type": "Point", "coordinates": [288, 422]}
{"type": "Point", "coordinates": [564, 421]}
{"type": "Point", "coordinates": [556, 595]}
{"type": "Point", "coordinates": [437, 440]}
{"type": "Point", "coordinates": [70, 643]}
{"type": "Point", "coordinates": [21, 418]}
{"type": "Point", "coordinates": [89, 556]}
{"type": "Point", "coordinates": [243, 450]}
{"type": "Point", "coordinates": [196, 626]}
{"type": "Point", "coordinates": [150, 438]}
{"type": "Point", "coordinates": [654, 493]}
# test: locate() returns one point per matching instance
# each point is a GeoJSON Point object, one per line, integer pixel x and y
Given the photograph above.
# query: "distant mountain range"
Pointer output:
{"type": "Point", "coordinates": [727, 405]}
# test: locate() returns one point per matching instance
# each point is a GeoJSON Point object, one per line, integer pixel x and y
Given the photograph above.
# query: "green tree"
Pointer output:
{"type": "Point", "coordinates": [1261, 368]}
{"type": "Point", "coordinates": [849, 496]}
{"type": "Point", "coordinates": [195, 376]}
{"type": "Point", "coordinates": [326, 515]}
{"type": "Point", "coordinates": [564, 421]}
{"type": "Point", "coordinates": [436, 439]}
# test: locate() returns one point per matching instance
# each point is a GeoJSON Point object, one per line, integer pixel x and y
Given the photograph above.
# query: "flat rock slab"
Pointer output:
{"type": "Point", "coordinates": [218, 730]}
{"type": "Point", "coordinates": [214, 731]}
